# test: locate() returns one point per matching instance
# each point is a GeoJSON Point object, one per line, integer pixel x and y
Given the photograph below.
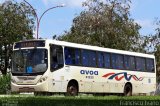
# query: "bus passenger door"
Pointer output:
{"type": "Point", "coordinates": [56, 63]}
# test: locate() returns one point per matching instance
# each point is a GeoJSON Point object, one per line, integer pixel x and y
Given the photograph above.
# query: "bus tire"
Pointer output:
{"type": "Point", "coordinates": [128, 90]}
{"type": "Point", "coordinates": [72, 89]}
{"type": "Point", "coordinates": [37, 94]}
{"type": "Point", "coordinates": [42, 94]}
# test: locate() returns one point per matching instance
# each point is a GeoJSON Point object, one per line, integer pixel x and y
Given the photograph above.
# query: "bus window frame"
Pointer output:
{"type": "Point", "coordinates": [59, 66]}
{"type": "Point", "coordinates": [111, 65]}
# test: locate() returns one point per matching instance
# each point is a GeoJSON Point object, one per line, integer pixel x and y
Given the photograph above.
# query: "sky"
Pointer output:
{"type": "Point", "coordinates": [58, 20]}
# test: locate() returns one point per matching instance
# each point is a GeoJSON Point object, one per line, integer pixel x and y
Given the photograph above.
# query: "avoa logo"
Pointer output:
{"type": "Point", "coordinates": [89, 72]}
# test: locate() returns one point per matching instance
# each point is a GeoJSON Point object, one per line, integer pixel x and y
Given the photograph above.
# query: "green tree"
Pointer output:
{"type": "Point", "coordinates": [105, 24]}
{"type": "Point", "coordinates": [155, 41]}
{"type": "Point", "coordinates": [16, 22]}
{"type": "Point", "coordinates": [152, 45]}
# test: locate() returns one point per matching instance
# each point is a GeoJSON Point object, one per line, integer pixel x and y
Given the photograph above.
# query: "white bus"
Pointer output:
{"type": "Point", "coordinates": [62, 67]}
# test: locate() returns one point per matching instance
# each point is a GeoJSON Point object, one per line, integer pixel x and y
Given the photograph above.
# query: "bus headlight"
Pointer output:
{"type": "Point", "coordinates": [13, 81]}
{"type": "Point", "coordinates": [42, 79]}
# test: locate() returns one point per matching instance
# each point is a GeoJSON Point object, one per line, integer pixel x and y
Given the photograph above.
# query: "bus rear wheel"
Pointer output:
{"type": "Point", "coordinates": [128, 90]}
{"type": "Point", "coordinates": [72, 89]}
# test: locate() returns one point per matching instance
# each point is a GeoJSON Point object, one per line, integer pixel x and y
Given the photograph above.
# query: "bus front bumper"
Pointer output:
{"type": "Point", "coordinates": [41, 87]}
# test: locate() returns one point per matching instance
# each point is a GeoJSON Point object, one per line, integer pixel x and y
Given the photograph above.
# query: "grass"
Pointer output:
{"type": "Point", "coordinates": [23, 100]}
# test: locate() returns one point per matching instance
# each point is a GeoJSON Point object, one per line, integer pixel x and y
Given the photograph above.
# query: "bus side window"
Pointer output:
{"type": "Point", "coordinates": [72, 56]}
{"type": "Point", "coordinates": [85, 58]}
{"type": "Point", "coordinates": [114, 61]}
{"type": "Point", "coordinates": [92, 58]}
{"type": "Point", "coordinates": [56, 57]}
{"type": "Point", "coordinates": [120, 61]}
{"type": "Point", "coordinates": [107, 60]}
{"type": "Point", "coordinates": [100, 59]}
{"type": "Point", "coordinates": [77, 57]}
{"type": "Point", "coordinates": [150, 65]}
{"type": "Point", "coordinates": [143, 64]}
{"type": "Point", "coordinates": [69, 56]}
{"type": "Point", "coordinates": [140, 64]}
{"type": "Point", "coordinates": [127, 62]}
{"type": "Point", "coordinates": [132, 64]}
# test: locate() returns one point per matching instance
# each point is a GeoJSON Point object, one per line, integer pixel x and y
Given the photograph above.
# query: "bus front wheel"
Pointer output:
{"type": "Point", "coordinates": [128, 90]}
{"type": "Point", "coordinates": [72, 89]}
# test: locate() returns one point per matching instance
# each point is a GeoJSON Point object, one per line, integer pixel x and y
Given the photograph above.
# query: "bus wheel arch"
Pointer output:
{"type": "Point", "coordinates": [128, 89]}
{"type": "Point", "coordinates": [72, 88]}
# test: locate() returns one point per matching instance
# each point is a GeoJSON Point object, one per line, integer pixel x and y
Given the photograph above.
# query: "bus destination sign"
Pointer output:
{"type": "Point", "coordinates": [29, 44]}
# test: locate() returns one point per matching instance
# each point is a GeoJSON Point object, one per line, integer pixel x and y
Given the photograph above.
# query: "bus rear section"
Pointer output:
{"type": "Point", "coordinates": [108, 71]}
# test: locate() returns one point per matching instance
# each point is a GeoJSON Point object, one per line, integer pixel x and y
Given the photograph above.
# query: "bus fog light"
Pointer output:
{"type": "Point", "coordinates": [42, 79]}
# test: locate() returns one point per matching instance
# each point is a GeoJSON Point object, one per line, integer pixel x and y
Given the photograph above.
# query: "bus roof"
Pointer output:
{"type": "Point", "coordinates": [96, 48]}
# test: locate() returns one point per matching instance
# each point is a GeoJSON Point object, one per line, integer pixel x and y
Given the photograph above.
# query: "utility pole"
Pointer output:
{"type": "Point", "coordinates": [39, 19]}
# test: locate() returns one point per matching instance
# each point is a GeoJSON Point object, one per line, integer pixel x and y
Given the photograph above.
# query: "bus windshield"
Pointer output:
{"type": "Point", "coordinates": [28, 61]}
